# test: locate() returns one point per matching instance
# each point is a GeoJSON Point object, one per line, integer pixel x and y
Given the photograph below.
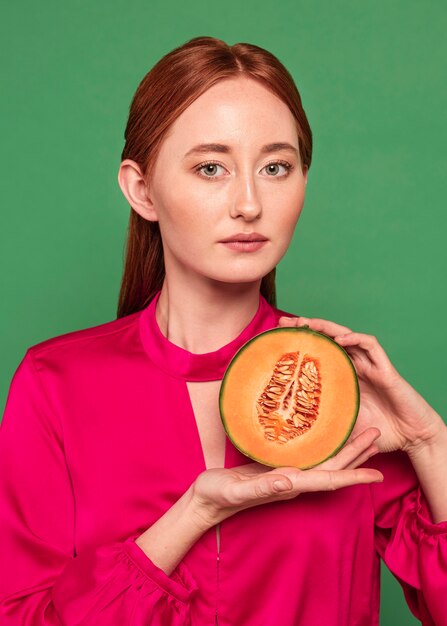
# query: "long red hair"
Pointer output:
{"type": "Point", "coordinates": [165, 92]}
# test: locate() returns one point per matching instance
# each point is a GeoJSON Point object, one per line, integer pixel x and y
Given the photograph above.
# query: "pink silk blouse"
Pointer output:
{"type": "Point", "coordinates": [99, 440]}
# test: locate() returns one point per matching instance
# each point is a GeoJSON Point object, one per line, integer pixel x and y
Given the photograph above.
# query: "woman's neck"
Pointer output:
{"type": "Point", "coordinates": [204, 319]}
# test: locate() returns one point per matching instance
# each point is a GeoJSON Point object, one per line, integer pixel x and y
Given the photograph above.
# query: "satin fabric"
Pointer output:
{"type": "Point", "coordinates": [98, 440]}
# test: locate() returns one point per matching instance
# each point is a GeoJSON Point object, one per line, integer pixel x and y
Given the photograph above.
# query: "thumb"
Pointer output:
{"type": "Point", "coordinates": [264, 486]}
{"type": "Point", "coordinates": [281, 484]}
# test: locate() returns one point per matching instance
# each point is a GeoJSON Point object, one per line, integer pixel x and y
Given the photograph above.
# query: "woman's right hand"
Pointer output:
{"type": "Point", "coordinates": [219, 493]}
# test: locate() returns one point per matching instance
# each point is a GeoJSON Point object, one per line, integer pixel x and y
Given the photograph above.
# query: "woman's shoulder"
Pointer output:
{"type": "Point", "coordinates": [88, 341]}
{"type": "Point", "coordinates": [280, 312]}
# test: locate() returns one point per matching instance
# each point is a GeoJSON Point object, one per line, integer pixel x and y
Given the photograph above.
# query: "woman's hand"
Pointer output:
{"type": "Point", "coordinates": [387, 401]}
{"type": "Point", "coordinates": [219, 493]}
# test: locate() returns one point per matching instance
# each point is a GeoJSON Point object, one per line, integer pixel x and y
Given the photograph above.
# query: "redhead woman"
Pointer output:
{"type": "Point", "coordinates": [122, 500]}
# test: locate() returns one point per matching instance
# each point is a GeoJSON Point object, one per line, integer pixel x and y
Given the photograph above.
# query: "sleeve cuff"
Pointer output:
{"type": "Point", "coordinates": [181, 584]}
{"type": "Point", "coordinates": [424, 518]}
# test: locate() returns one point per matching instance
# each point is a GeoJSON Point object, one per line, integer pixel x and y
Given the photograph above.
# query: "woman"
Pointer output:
{"type": "Point", "coordinates": [122, 500]}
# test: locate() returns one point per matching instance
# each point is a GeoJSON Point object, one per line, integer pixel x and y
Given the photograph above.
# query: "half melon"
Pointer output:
{"type": "Point", "coordinates": [289, 397]}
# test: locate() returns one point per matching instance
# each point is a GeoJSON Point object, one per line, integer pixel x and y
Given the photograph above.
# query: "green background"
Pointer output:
{"type": "Point", "coordinates": [369, 248]}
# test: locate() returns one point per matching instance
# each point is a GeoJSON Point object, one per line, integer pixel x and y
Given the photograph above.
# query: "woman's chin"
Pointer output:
{"type": "Point", "coordinates": [241, 276]}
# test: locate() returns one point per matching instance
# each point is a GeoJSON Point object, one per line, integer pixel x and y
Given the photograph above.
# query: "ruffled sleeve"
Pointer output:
{"type": "Point", "coordinates": [119, 584]}
{"type": "Point", "coordinates": [413, 547]}
{"type": "Point", "coordinates": [43, 581]}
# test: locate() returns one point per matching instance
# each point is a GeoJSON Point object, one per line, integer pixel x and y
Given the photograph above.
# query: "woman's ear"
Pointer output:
{"type": "Point", "coordinates": [134, 188]}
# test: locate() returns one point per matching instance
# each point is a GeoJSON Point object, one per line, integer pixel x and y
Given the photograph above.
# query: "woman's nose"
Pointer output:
{"type": "Point", "coordinates": [245, 198]}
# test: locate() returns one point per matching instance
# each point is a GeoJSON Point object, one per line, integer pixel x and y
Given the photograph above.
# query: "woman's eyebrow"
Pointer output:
{"type": "Point", "coordinates": [203, 148]}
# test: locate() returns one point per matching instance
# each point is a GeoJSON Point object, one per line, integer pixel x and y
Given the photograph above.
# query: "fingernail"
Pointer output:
{"type": "Point", "coordinates": [280, 485]}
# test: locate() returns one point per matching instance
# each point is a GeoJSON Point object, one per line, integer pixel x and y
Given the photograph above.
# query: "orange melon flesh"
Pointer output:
{"type": "Point", "coordinates": [331, 399]}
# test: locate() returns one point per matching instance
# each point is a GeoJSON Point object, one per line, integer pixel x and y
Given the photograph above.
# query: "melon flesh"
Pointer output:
{"type": "Point", "coordinates": [289, 397]}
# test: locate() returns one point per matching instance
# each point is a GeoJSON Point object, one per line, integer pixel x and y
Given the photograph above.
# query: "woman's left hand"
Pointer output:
{"type": "Point", "coordinates": [387, 401]}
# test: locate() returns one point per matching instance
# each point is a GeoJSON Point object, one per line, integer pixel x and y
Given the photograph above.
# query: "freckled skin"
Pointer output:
{"type": "Point", "coordinates": [194, 212]}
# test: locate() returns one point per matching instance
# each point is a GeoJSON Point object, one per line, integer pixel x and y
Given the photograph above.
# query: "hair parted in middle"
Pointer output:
{"type": "Point", "coordinates": [175, 81]}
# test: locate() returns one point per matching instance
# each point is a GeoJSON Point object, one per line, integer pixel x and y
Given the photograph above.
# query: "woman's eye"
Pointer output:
{"type": "Point", "coordinates": [287, 166]}
{"type": "Point", "coordinates": [206, 167]}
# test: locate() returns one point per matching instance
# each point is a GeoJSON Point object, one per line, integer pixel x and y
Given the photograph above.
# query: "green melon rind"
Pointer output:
{"type": "Point", "coordinates": [304, 328]}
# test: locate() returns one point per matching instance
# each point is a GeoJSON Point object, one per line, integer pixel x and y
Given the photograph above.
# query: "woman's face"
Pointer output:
{"type": "Point", "coordinates": [201, 196]}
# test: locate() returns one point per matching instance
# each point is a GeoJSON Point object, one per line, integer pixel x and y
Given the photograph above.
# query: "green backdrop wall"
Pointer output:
{"type": "Point", "coordinates": [369, 248]}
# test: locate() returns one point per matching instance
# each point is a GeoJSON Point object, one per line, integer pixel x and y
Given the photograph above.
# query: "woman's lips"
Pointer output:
{"type": "Point", "coordinates": [244, 246]}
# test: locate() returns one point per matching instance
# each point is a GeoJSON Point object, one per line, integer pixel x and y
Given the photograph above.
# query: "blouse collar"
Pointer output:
{"type": "Point", "coordinates": [190, 366]}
